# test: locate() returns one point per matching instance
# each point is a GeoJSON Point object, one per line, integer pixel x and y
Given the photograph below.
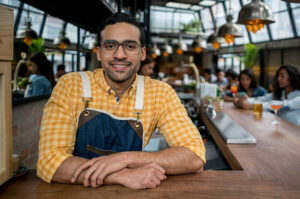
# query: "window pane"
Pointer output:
{"type": "Point", "coordinates": [276, 5]}
{"type": "Point", "coordinates": [52, 28]}
{"type": "Point", "coordinates": [219, 14]}
{"type": "Point", "coordinates": [296, 16]}
{"type": "Point", "coordinates": [206, 19]}
{"type": "Point", "coordinates": [71, 33]}
{"type": "Point", "coordinates": [261, 35]}
{"type": "Point", "coordinates": [244, 39]}
{"type": "Point", "coordinates": [14, 3]}
{"type": "Point", "coordinates": [68, 62]}
{"type": "Point", "coordinates": [282, 27]}
{"type": "Point", "coordinates": [35, 17]}
{"type": "Point", "coordinates": [295, 5]}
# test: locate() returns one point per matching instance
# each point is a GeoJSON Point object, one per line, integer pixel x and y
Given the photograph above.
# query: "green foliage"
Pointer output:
{"type": "Point", "coordinates": [192, 26]}
{"type": "Point", "coordinates": [250, 55]}
{"type": "Point", "coordinates": [37, 45]}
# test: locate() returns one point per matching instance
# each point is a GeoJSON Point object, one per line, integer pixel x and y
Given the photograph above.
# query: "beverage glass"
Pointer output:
{"type": "Point", "coordinates": [258, 109]}
{"type": "Point", "coordinates": [275, 105]}
{"type": "Point", "coordinates": [233, 89]}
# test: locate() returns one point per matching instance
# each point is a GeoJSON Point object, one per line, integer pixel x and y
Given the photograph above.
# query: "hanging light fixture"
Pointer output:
{"type": "Point", "coordinates": [93, 45]}
{"type": "Point", "coordinates": [167, 49]}
{"type": "Point", "coordinates": [155, 51]}
{"type": "Point", "coordinates": [230, 31]}
{"type": "Point", "coordinates": [181, 45]}
{"type": "Point", "coordinates": [255, 15]}
{"type": "Point", "coordinates": [26, 32]}
{"type": "Point", "coordinates": [215, 40]}
{"type": "Point", "coordinates": [62, 41]}
{"type": "Point", "coordinates": [199, 44]}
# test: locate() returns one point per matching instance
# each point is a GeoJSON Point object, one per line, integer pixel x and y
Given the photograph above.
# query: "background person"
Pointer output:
{"type": "Point", "coordinates": [60, 71]}
{"type": "Point", "coordinates": [42, 79]}
{"type": "Point", "coordinates": [221, 80]}
{"type": "Point", "coordinates": [209, 76]}
{"type": "Point", "coordinates": [286, 88]}
{"type": "Point", "coordinates": [147, 66]}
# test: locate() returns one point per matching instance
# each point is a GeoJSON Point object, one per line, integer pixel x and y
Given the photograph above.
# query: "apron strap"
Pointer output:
{"type": "Point", "coordinates": [139, 99]}
{"type": "Point", "coordinates": [86, 91]}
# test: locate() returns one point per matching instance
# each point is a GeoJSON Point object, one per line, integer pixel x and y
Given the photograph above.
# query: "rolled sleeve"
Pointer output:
{"type": "Point", "coordinates": [177, 127]}
{"type": "Point", "coordinates": [57, 133]}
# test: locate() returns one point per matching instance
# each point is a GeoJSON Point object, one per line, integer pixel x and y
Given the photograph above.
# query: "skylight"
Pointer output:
{"type": "Point", "coordinates": [195, 7]}
{"type": "Point", "coordinates": [178, 5]}
{"type": "Point", "coordinates": [207, 3]}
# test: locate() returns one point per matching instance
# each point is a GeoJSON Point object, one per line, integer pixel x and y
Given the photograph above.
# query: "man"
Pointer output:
{"type": "Point", "coordinates": [70, 141]}
{"type": "Point", "coordinates": [60, 71]}
{"type": "Point", "coordinates": [209, 77]}
{"type": "Point", "coordinates": [221, 79]}
{"type": "Point", "coordinates": [147, 66]}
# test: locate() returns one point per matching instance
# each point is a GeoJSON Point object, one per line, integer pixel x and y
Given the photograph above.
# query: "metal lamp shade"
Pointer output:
{"type": "Point", "coordinates": [255, 15]}
{"type": "Point", "coordinates": [27, 33]}
{"type": "Point", "coordinates": [230, 30]}
{"type": "Point", "coordinates": [199, 44]}
{"type": "Point", "coordinates": [62, 41]}
{"type": "Point", "coordinates": [215, 40]}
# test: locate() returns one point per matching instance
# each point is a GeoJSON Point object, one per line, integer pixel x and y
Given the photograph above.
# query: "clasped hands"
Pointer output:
{"type": "Point", "coordinates": [241, 102]}
{"type": "Point", "coordinates": [119, 169]}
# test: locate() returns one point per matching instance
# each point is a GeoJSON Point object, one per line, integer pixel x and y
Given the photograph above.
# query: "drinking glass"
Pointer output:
{"type": "Point", "coordinates": [233, 89]}
{"type": "Point", "coordinates": [275, 105]}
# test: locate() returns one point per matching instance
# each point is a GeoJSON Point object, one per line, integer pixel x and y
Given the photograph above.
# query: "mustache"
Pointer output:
{"type": "Point", "coordinates": [120, 62]}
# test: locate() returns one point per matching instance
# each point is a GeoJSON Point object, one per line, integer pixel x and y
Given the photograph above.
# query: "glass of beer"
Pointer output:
{"type": "Point", "coordinates": [276, 105]}
{"type": "Point", "coordinates": [258, 109]}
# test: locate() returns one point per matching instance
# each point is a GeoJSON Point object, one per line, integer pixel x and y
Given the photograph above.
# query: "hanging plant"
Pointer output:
{"type": "Point", "coordinates": [250, 55]}
{"type": "Point", "coordinates": [37, 45]}
{"type": "Point", "coordinates": [192, 26]}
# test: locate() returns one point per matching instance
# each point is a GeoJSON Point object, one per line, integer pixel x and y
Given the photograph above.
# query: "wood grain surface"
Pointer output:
{"type": "Point", "coordinates": [269, 169]}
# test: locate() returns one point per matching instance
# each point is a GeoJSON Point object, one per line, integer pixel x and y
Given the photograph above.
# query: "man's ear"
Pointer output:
{"type": "Point", "coordinates": [98, 54]}
{"type": "Point", "coordinates": [143, 50]}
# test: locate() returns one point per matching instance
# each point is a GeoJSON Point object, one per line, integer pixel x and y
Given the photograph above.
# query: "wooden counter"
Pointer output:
{"type": "Point", "coordinates": [269, 169]}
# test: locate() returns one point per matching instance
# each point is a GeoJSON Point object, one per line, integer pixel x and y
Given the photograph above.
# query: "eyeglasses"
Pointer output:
{"type": "Point", "coordinates": [111, 46]}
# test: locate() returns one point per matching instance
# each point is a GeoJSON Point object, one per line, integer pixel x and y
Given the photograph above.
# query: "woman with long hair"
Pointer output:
{"type": "Point", "coordinates": [43, 77]}
{"type": "Point", "coordinates": [249, 85]}
{"type": "Point", "coordinates": [286, 89]}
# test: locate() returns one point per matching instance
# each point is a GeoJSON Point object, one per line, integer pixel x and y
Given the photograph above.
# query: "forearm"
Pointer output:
{"type": "Point", "coordinates": [175, 160]}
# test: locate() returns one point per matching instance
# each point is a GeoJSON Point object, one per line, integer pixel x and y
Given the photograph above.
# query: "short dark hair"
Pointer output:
{"type": "Point", "coordinates": [207, 70]}
{"type": "Point", "coordinates": [294, 79]}
{"type": "Point", "coordinates": [121, 18]}
{"type": "Point", "coordinates": [232, 74]}
{"type": "Point", "coordinates": [61, 67]}
{"type": "Point", "coordinates": [251, 75]}
{"type": "Point", "coordinates": [219, 70]}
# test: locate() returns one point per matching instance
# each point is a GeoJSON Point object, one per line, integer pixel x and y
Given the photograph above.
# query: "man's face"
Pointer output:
{"type": "Point", "coordinates": [220, 76]}
{"type": "Point", "coordinates": [120, 66]}
{"type": "Point", "coordinates": [147, 69]}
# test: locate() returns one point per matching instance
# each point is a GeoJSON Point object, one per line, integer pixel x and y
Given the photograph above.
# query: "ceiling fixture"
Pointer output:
{"type": "Point", "coordinates": [229, 31]}
{"type": "Point", "coordinates": [62, 41]}
{"type": "Point", "coordinates": [199, 44]}
{"type": "Point", "coordinates": [255, 15]}
{"type": "Point", "coordinates": [93, 44]}
{"type": "Point", "coordinates": [215, 40]}
{"type": "Point", "coordinates": [155, 52]}
{"type": "Point", "coordinates": [181, 45]}
{"type": "Point", "coordinates": [167, 49]}
{"type": "Point", "coordinates": [26, 32]}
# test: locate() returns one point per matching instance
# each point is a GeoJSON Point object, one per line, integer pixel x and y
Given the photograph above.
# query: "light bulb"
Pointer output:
{"type": "Point", "coordinates": [198, 49]}
{"type": "Point", "coordinates": [62, 46]}
{"type": "Point", "coordinates": [229, 38]}
{"type": "Point", "coordinates": [215, 45]}
{"type": "Point", "coordinates": [254, 25]}
{"type": "Point", "coordinates": [27, 41]}
{"type": "Point", "coordinates": [165, 54]}
{"type": "Point", "coordinates": [179, 51]}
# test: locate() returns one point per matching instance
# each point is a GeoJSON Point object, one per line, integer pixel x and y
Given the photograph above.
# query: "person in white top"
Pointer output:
{"type": "Point", "coordinates": [286, 88]}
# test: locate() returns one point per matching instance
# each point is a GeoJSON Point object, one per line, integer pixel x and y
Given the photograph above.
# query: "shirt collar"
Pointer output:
{"type": "Point", "coordinates": [99, 77]}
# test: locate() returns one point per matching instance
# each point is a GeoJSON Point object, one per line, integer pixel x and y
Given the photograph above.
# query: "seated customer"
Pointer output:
{"type": "Point", "coordinates": [42, 78]}
{"type": "Point", "coordinates": [286, 89]}
{"type": "Point", "coordinates": [232, 78]}
{"type": "Point", "coordinates": [209, 77]}
{"type": "Point", "coordinates": [147, 66]}
{"type": "Point", "coordinates": [221, 80]}
{"type": "Point", "coordinates": [248, 84]}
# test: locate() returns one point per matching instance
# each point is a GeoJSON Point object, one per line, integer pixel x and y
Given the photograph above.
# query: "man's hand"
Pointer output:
{"type": "Point", "coordinates": [147, 176]}
{"type": "Point", "coordinates": [98, 168]}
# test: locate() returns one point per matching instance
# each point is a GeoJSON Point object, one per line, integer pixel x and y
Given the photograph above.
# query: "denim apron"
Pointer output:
{"type": "Point", "coordinates": [101, 133]}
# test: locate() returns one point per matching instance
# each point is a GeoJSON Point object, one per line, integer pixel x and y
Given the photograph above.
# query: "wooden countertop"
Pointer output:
{"type": "Point", "coordinates": [269, 169]}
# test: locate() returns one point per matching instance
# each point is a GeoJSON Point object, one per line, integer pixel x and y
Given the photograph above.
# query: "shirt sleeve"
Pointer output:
{"type": "Point", "coordinates": [57, 133]}
{"type": "Point", "coordinates": [264, 99]}
{"type": "Point", "coordinates": [292, 104]}
{"type": "Point", "coordinates": [176, 126]}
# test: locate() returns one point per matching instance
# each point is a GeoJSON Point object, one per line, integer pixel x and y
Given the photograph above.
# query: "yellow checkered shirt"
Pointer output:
{"type": "Point", "coordinates": [162, 110]}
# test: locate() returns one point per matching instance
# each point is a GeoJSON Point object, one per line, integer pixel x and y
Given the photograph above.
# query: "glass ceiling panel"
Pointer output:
{"type": "Point", "coordinates": [52, 28]}
{"type": "Point", "coordinates": [244, 39]}
{"type": "Point", "coordinates": [13, 3]}
{"type": "Point", "coordinates": [178, 5]}
{"type": "Point", "coordinates": [276, 6]}
{"type": "Point", "coordinates": [206, 19]}
{"type": "Point", "coordinates": [260, 36]}
{"type": "Point", "coordinates": [71, 33]}
{"type": "Point", "coordinates": [295, 5]}
{"type": "Point", "coordinates": [219, 14]}
{"type": "Point", "coordinates": [296, 15]}
{"type": "Point", "coordinates": [281, 29]}
{"type": "Point", "coordinates": [35, 17]}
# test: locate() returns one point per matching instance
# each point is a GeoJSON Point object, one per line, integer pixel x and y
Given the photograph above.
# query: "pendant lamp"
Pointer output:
{"type": "Point", "coordinates": [93, 45]}
{"type": "Point", "coordinates": [199, 44]}
{"type": "Point", "coordinates": [26, 32]}
{"type": "Point", "coordinates": [215, 40]}
{"type": "Point", "coordinates": [255, 15]}
{"type": "Point", "coordinates": [62, 41]}
{"type": "Point", "coordinates": [166, 49]}
{"type": "Point", "coordinates": [181, 45]}
{"type": "Point", "coordinates": [155, 52]}
{"type": "Point", "coordinates": [230, 30]}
